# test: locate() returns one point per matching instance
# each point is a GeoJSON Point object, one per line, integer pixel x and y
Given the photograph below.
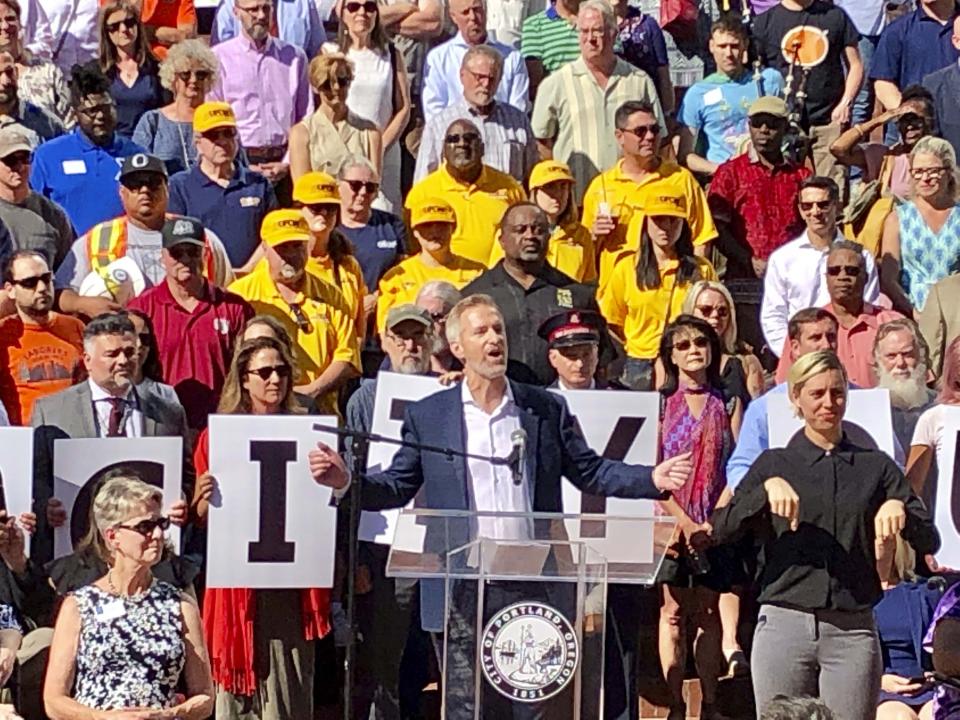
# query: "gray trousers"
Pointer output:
{"type": "Point", "coordinates": [829, 654]}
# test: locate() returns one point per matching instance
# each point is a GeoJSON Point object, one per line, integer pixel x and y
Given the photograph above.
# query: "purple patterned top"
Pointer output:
{"type": "Point", "coordinates": [946, 700]}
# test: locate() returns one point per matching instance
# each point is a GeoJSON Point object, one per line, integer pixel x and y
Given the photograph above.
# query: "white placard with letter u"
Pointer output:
{"type": "Point", "coordinates": [271, 525]}
{"type": "Point", "coordinates": [16, 469]}
{"type": "Point", "coordinates": [946, 511]}
{"type": "Point", "coordinates": [79, 463]}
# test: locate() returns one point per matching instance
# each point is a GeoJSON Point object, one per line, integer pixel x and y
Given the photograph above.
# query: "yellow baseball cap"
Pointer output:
{"type": "Point", "coordinates": [316, 188]}
{"type": "Point", "coordinates": [549, 171]}
{"type": "Point", "coordinates": [212, 115]}
{"type": "Point", "coordinates": [432, 210]}
{"type": "Point", "coordinates": [282, 226]}
{"type": "Point", "coordinates": [666, 204]}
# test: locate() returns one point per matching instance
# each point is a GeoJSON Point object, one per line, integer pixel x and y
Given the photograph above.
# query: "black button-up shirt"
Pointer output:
{"type": "Point", "coordinates": [829, 562]}
{"type": "Point", "coordinates": [524, 309]}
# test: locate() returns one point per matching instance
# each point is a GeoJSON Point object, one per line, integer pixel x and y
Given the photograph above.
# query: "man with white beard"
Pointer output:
{"type": "Point", "coordinates": [900, 356]}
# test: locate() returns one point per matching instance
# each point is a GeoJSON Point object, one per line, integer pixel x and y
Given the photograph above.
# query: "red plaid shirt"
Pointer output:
{"type": "Point", "coordinates": [757, 206]}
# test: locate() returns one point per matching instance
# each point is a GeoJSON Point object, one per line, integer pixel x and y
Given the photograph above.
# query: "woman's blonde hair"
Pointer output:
{"type": "Point", "coordinates": [120, 496]}
{"type": "Point", "coordinates": [809, 366]}
{"type": "Point", "coordinates": [728, 341]}
{"type": "Point", "coordinates": [325, 66]}
{"type": "Point", "coordinates": [944, 152]}
{"type": "Point", "coordinates": [235, 400]}
{"type": "Point", "coordinates": [183, 56]}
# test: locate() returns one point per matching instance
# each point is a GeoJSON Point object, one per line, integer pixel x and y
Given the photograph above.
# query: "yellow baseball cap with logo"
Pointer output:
{"type": "Point", "coordinates": [432, 210]}
{"type": "Point", "coordinates": [316, 188]}
{"type": "Point", "coordinates": [665, 204]}
{"type": "Point", "coordinates": [213, 115]}
{"type": "Point", "coordinates": [282, 226]}
{"type": "Point", "coordinates": [549, 171]}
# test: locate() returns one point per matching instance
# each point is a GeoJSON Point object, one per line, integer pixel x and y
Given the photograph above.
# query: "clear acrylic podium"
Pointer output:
{"type": "Point", "coordinates": [523, 616]}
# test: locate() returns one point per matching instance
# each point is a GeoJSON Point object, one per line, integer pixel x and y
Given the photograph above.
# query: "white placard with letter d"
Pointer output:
{"type": "Point", "coordinates": [78, 464]}
{"type": "Point", "coordinates": [16, 469]}
{"type": "Point", "coordinates": [946, 511]}
{"type": "Point", "coordinates": [271, 525]}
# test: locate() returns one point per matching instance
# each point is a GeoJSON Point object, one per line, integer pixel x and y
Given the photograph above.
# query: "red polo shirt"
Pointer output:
{"type": "Point", "coordinates": [759, 207]}
{"type": "Point", "coordinates": [195, 347]}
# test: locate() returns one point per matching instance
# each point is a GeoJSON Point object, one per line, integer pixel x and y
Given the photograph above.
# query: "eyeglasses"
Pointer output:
{"type": "Point", "coordinates": [185, 251]}
{"type": "Point", "coordinates": [456, 138]}
{"type": "Point", "coordinates": [30, 283]}
{"type": "Point", "coordinates": [267, 371]}
{"type": "Point", "coordinates": [928, 172]}
{"type": "Point", "coordinates": [368, 7]}
{"type": "Point", "coordinates": [818, 204]}
{"type": "Point", "coordinates": [18, 159]}
{"type": "Point", "coordinates": [684, 345]}
{"type": "Point", "coordinates": [146, 527]}
{"type": "Point", "coordinates": [358, 185]}
{"type": "Point", "coordinates": [265, 8]}
{"type": "Point", "coordinates": [200, 75]}
{"type": "Point", "coordinates": [721, 311]}
{"type": "Point", "coordinates": [481, 77]}
{"type": "Point", "coordinates": [835, 270]}
{"type": "Point", "coordinates": [92, 110]}
{"type": "Point", "coordinates": [127, 24]}
{"type": "Point", "coordinates": [641, 131]}
{"type": "Point", "coordinates": [220, 134]}
{"type": "Point", "coordinates": [322, 208]}
{"type": "Point", "coordinates": [911, 119]}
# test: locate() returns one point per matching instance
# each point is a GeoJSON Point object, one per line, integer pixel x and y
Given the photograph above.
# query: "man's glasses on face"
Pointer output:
{"type": "Point", "coordinates": [358, 185]}
{"type": "Point", "coordinates": [641, 131]}
{"type": "Point", "coordinates": [151, 182]}
{"type": "Point", "coordinates": [457, 138]}
{"type": "Point", "coordinates": [850, 270]}
{"type": "Point", "coordinates": [31, 283]}
{"type": "Point", "coordinates": [818, 204]}
{"type": "Point", "coordinates": [220, 134]}
{"type": "Point", "coordinates": [186, 251]}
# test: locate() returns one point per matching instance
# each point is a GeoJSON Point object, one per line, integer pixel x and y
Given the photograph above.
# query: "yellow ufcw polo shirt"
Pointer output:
{"type": "Point", "coordinates": [478, 207]}
{"type": "Point", "coordinates": [403, 281]}
{"type": "Point", "coordinates": [327, 335]}
{"type": "Point", "coordinates": [626, 197]}
{"type": "Point", "coordinates": [643, 314]}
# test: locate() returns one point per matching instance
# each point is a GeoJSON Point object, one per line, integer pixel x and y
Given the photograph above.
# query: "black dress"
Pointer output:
{"type": "Point", "coordinates": [733, 382]}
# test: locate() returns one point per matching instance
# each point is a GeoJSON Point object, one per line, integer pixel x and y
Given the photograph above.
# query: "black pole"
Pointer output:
{"type": "Point", "coordinates": [358, 453]}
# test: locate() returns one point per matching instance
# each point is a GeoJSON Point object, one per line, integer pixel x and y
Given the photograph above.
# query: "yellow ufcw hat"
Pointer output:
{"type": "Point", "coordinates": [432, 210]}
{"type": "Point", "coordinates": [316, 188]}
{"type": "Point", "coordinates": [671, 205]}
{"type": "Point", "coordinates": [281, 226]}
{"type": "Point", "coordinates": [549, 171]}
{"type": "Point", "coordinates": [212, 115]}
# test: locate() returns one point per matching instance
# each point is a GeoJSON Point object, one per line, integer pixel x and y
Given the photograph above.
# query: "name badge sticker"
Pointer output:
{"type": "Point", "coordinates": [110, 611]}
{"type": "Point", "coordinates": [74, 167]}
{"type": "Point", "coordinates": [712, 97]}
{"type": "Point", "coordinates": [249, 202]}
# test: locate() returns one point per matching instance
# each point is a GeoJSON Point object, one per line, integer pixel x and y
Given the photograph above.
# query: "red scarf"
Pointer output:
{"type": "Point", "coordinates": [229, 614]}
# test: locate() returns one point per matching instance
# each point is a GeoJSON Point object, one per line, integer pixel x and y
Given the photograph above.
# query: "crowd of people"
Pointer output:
{"type": "Point", "coordinates": [718, 201]}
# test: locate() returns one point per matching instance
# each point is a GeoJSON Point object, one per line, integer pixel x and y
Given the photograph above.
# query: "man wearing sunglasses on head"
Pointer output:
{"type": "Point", "coordinates": [227, 198]}
{"type": "Point", "coordinates": [40, 350]}
{"type": "Point", "coordinates": [796, 275]}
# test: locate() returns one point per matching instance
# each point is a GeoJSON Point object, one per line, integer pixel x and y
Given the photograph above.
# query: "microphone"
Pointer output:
{"type": "Point", "coordinates": [518, 456]}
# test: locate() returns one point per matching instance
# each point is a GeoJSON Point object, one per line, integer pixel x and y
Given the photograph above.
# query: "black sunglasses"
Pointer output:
{"type": "Point", "coordinates": [323, 208]}
{"type": "Point", "coordinates": [369, 7]}
{"type": "Point", "coordinates": [135, 182]}
{"type": "Point", "coordinates": [358, 185]}
{"type": "Point", "coordinates": [146, 527]}
{"type": "Point", "coordinates": [267, 371]}
{"type": "Point", "coordinates": [338, 80]}
{"type": "Point", "coordinates": [684, 345]}
{"type": "Point", "coordinates": [18, 159]}
{"type": "Point", "coordinates": [818, 204]}
{"type": "Point", "coordinates": [851, 270]}
{"type": "Point", "coordinates": [771, 121]}
{"type": "Point", "coordinates": [200, 75]}
{"type": "Point", "coordinates": [220, 134]}
{"type": "Point", "coordinates": [128, 24]}
{"type": "Point", "coordinates": [455, 138]}
{"type": "Point", "coordinates": [641, 131]}
{"type": "Point", "coordinates": [30, 283]}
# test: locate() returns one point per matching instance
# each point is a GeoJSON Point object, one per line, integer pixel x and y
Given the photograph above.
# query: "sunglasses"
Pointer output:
{"type": "Point", "coordinates": [911, 119]}
{"type": "Point", "coordinates": [337, 81]}
{"type": "Point", "coordinates": [221, 134]}
{"type": "Point", "coordinates": [187, 251]}
{"type": "Point", "coordinates": [128, 24]}
{"type": "Point", "coordinates": [684, 345]}
{"type": "Point", "coordinates": [851, 270]}
{"type": "Point", "coordinates": [18, 159]}
{"type": "Point", "coordinates": [456, 138]}
{"type": "Point", "coordinates": [818, 204]}
{"type": "Point", "coordinates": [200, 75]}
{"type": "Point", "coordinates": [368, 7]}
{"type": "Point", "coordinates": [641, 131]}
{"type": "Point", "coordinates": [30, 283]}
{"type": "Point", "coordinates": [146, 527]}
{"type": "Point", "coordinates": [770, 121]}
{"type": "Point", "coordinates": [151, 182]}
{"type": "Point", "coordinates": [721, 311]}
{"type": "Point", "coordinates": [323, 208]}
{"type": "Point", "coordinates": [267, 371]}
{"type": "Point", "coordinates": [358, 185]}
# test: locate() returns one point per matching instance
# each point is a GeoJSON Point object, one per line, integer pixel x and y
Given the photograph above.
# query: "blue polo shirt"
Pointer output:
{"type": "Point", "coordinates": [81, 177]}
{"type": "Point", "coordinates": [911, 47]}
{"type": "Point", "coordinates": [378, 245]}
{"type": "Point", "coordinates": [233, 212]}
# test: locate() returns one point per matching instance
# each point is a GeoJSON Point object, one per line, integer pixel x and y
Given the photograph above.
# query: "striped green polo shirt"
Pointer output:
{"type": "Point", "coordinates": [549, 38]}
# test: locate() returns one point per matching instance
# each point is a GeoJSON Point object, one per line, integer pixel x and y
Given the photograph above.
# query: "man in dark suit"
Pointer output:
{"type": "Point", "coordinates": [944, 85]}
{"type": "Point", "coordinates": [106, 405]}
{"type": "Point", "coordinates": [480, 417]}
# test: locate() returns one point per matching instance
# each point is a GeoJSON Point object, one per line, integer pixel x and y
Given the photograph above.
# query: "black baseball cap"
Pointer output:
{"type": "Point", "coordinates": [180, 230]}
{"type": "Point", "coordinates": [142, 163]}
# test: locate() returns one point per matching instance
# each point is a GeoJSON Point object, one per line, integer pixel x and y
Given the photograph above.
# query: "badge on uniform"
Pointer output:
{"type": "Point", "coordinates": [110, 611]}
{"type": "Point", "coordinates": [564, 298]}
{"type": "Point", "coordinates": [221, 325]}
{"type": "Point", "coordinates": [249, 201]}
{"type": "Point", "coordinates": [74, 167]}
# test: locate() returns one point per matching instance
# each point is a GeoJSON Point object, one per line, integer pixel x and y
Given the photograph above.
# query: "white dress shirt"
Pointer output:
{"type": "Point", "coordinates": [561, 385]}
{"type": "Point", "coordinates": [132, 417]}
{"type": "Point", "coordinates": [491, 487]}
{"type": "Point", "coordinates": [64, 31]}
{"type": "Point", "coordinates": [796, 279]}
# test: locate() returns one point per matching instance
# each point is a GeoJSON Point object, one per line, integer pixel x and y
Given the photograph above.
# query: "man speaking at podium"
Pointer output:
{"type": "Point", "coordinates": [488, 416]}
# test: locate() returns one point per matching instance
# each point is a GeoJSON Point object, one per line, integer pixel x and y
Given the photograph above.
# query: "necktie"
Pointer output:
{"type": "Point", "coordinates": [116, 427]}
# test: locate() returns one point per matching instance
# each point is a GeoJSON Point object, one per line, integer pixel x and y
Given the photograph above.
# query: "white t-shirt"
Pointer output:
{"type": "Point", "coordinates": [929, 429]}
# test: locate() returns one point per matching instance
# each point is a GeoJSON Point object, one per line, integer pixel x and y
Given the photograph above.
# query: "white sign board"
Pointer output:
{"type": "Point", "coordinates": [946, 511]}
{"type": "Point", "coordinates": [16, 470]}
{"type": "Point", "coordinates": [394, 393]}
{"type": "Point", "coordinates": [867, 420]}
{"type": "Point", "coordinates": [271, 525]}
{"type": "Point", "coordinates": [79, 464]}
{"type": "Point", "coordinates": [620, 425]}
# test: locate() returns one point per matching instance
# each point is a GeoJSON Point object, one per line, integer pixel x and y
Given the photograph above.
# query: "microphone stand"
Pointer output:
{"type": "Point", "coordinates": [359, 448]}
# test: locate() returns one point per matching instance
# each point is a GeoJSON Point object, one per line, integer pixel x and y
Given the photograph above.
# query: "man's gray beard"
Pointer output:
{"type": "Point", "coordinates": [414, 366]}
{"type": "Point", "coordinates": [908, 393]}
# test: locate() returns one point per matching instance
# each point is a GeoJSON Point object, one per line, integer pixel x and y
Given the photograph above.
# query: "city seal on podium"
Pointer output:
{"type": "Point", "coordinates": [529, 651]}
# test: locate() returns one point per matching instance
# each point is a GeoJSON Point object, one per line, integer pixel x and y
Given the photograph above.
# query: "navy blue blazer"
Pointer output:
{"type": "Point", "coordinates": [944, 85]}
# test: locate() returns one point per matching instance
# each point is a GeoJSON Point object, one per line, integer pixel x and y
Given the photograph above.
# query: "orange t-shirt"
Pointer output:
{"type": "Point", "coordinates": [36, 361]}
